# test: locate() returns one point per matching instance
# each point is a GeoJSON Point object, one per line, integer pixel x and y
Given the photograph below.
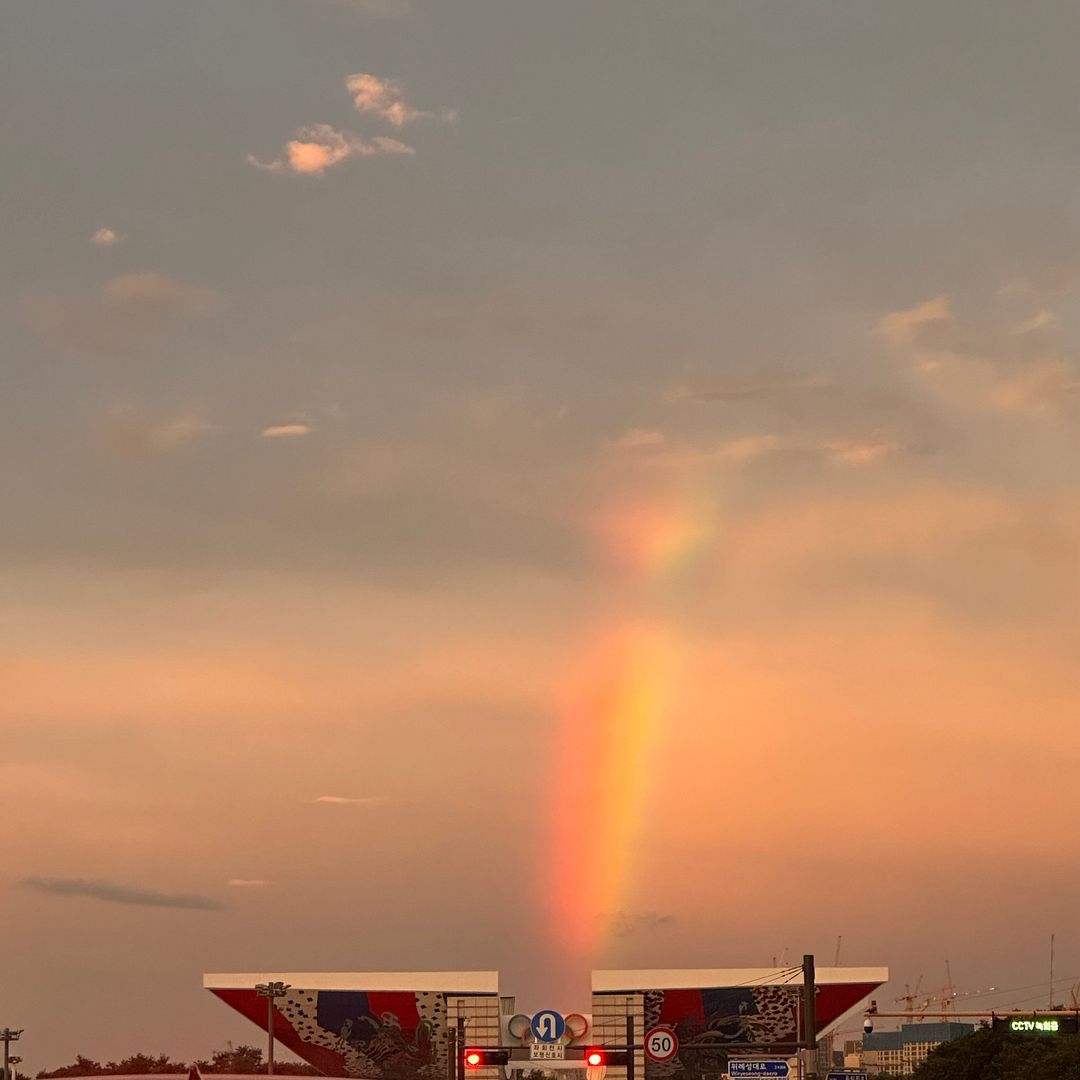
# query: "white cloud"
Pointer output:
{"type": "Point", "coordinates": [285, 431]}
{"type": "Point", "coordinates": [104, 237]}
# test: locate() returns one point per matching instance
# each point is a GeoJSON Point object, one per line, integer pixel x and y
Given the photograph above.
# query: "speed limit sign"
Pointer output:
{"type": "Point", "coordinates": [661, 1044]}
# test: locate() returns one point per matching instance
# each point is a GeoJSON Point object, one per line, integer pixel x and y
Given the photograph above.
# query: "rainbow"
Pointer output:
{"type": "Point", "coordinates": [613, 711]}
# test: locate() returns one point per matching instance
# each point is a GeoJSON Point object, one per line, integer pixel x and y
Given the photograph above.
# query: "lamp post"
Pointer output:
{"type": "Point", "coordinates": [14, 1059]}
{"type": "Point", "coordinates": [8, 1036]}
{"type": "Point", "coordinates": [271, 991]}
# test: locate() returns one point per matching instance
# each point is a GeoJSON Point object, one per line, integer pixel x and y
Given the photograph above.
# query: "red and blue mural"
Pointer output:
{"type": "Point", "coordinates": [378, 1035]}
{"type": "Point", "coordinates": [713, 1023]}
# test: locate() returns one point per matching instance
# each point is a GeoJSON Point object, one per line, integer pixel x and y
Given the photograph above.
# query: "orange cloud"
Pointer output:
{"type": "Point", "coordinates": [1036, 388]}
{"type": "Point", "coordinates": [320, 146]}
{"type": "Point", "coordinates": [129, 310]}
{"type": "Point", "coordinates": [132, 436]}
{"type": "Point", "coordinates": [906, 325]}
{"type": "Point", "coordinates": [1043, 319]}
{"type": "Point", "coordinates": [104, 237]}
{"type": "Point", "coordinates": [383, 97]}
{"type": "Point", "coordinates": [285, 431]}
{"type": "Point", "coordinates": [863, 452]}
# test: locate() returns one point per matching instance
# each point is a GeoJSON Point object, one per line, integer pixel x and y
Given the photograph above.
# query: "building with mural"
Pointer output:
{"type": "Point", "coordinates": [397, 1026]}
{"type": "Point", "coordinates": [376, 1025]}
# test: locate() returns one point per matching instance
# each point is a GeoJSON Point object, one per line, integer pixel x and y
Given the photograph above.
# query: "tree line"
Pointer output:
{"type": "Point", "coordinates": [235, 1059]}
{"type": "Point", "coordinates": [994, 1055]}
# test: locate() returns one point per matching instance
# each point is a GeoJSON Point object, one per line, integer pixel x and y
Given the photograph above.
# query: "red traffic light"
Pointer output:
{"type": "Point", "coordinates": [476, 1057]}
{"type": "Point", "coordinates": [595, 1057]}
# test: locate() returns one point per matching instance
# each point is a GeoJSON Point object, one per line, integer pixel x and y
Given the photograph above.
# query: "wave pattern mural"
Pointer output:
{"type": "Point", "coordinates": [756, 1010]}
{"type": "Point", "coordinates": [391, 1034]}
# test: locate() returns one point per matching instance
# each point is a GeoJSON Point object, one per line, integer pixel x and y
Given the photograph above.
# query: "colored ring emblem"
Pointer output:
{"type": "Point", "coordinates": [520, 1027]}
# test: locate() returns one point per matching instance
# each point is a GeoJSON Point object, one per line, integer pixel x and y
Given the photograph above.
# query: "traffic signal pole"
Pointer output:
{"type": "Point", "coordinates": [630, 1043]}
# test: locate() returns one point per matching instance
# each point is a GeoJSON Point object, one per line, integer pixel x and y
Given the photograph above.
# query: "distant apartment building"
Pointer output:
{"type": "Point", "coordinates": [852, 1056]}
{"type": "Point", "coordinates": [899, 1053]}
{"type": "Point", "coordinates": [826, 1054]}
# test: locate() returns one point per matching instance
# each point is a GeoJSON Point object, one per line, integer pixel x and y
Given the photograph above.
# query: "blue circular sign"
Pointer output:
{"type": "Point", "coordinates": [548, 1026]}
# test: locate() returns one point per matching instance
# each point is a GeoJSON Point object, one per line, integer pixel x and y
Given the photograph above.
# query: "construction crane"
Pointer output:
{"type": "Point", "coordinates": [909, 997]}
{"type": "Point", "coordinates": [946, 997]}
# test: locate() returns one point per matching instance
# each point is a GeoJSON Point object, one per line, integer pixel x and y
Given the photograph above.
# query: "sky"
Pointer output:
{"type": "Point", "coordinates": [533, 486]}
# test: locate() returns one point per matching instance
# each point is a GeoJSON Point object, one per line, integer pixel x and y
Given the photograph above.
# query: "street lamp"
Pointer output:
{"type": "Point", "coordinates": [271, 991]}
{"type": "Point", "coordinates": [14, 1059]}
{"type": "Point", "coordinates": [8, 1037]}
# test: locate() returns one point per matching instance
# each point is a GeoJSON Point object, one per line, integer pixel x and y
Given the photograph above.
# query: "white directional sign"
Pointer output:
{"type": "Point", "coordinates": [750, 1067]}
{"type": "Point", "coordinates": [539, 1051]}
{"type": "Point", "coordinates": [661, 1044]}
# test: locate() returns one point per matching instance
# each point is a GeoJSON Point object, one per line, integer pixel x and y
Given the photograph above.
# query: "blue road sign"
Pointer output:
{"type": "Point", "coordinates": [548, 1026]}
{"type": "Point", "coordinates": [746, 1067]}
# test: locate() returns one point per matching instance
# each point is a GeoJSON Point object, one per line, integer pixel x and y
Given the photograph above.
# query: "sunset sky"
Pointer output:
{"type": "Point", "coordinates": [533, 485]}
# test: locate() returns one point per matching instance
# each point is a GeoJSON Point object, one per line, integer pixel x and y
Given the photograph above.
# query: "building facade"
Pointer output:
{"type": "Point", "coordinates": [899, 1053]}
{"type": "Point", "coordinates": [401, 1026]}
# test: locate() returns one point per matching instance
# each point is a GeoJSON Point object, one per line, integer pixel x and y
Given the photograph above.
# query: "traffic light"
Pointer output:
{"type": "Point", "coordinates": [595, 1056]}
{"type": "Point", "coordinates": [478, 1057]}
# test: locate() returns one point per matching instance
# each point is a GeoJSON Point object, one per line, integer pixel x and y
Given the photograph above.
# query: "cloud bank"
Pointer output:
{"type": "Point", "coordinates": [128, 311]}
{"type": "Point", "coordinates": [121, 894]}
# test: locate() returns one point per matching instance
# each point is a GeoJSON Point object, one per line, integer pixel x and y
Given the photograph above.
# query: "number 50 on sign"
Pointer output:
{"type": "Point", "coordinates": [661, 1044]}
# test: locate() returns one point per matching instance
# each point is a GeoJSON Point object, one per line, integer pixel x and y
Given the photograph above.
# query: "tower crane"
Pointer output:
{"type": "Point", "coordinates": [909, 997]}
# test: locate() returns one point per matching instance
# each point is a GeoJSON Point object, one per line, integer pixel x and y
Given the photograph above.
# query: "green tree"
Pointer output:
{"type": "Point", "coordinates": [238, 1059]}
{"type": "Point", "coordinates": [145, 1063]}
{"type": "Point", "coordinates": [990, 1055]}
{"type": "Point", "coordinates": [81, 1066]}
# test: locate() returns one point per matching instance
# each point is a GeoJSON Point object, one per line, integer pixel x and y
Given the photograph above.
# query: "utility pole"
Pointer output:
{"type": "Point", "coordinates": [1050, 1003]}
{"type": "Point", "coordinates": [630, 1062]}
{"type": "Point", "coordinates": [810, 1013]}
{"type": "Point", "coordinates": [271, 991]}
{"type": "Point", "coordinates": [8, 1036]}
